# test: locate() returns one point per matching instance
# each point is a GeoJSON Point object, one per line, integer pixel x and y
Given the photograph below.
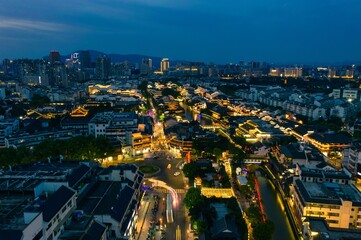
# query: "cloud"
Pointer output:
{"type": "Point", "coordinates": [31, 25]}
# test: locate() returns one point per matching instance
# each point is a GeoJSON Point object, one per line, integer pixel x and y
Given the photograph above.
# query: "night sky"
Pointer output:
{"type": "Point", "coordinates": [220, 31]}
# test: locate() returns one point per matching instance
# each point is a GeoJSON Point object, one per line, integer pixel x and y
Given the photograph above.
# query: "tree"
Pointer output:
{"type": "Point", "coordinates": [202, 226]}
{"type": "Point", "coordinates": [143, 86]}
{"type": "Point", "coordinates": [37, 101]}
{"type": "Point", "coordinates": [190, 170]}
{"type": "Point", "coordinates": [17, 111]}
{"type": "Point", "coordinates": [254, 215]}
{"type": "Point", "coordinates": [217, 152]}
{"type": "Point", "coordinates": [264, 231]}
{"type": "Point", "coordinates": [193, 198]}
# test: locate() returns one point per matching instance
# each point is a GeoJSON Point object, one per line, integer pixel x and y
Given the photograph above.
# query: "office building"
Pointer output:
{"type": "Point", "coordinates": [164, 64]}
{"type": "Point", "coordinates": [6, 65]}
{"type": "Point", "coordinates": [146, 66]}
{"type": "Point", "coordinates": [103, 67]}
{"type": "Point", "coordinates": [85, 59]}
{"type": "Point", "coordinates": [293, 72]}
{"type": "Point", "coordinates": [54, 56]}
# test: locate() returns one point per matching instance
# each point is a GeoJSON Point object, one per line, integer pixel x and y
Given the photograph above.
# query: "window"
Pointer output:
{"type": "Point", "coordinates": [49, 225]}
{"type": "Point", "coordinates": [333, 214]}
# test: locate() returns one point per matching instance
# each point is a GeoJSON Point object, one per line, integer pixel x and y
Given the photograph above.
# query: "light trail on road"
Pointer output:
{"type": "Point", "coordinates": [172, 191]}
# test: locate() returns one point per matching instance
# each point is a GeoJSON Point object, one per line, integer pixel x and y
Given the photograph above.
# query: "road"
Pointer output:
{"type": "Point", "coordinates": [161, 158]}
{"type": "Point", "coordinates": [177, 229]}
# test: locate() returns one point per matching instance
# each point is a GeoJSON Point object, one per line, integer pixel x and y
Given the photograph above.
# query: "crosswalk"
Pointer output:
{"type": "Point", "coordinates": [163, 190]}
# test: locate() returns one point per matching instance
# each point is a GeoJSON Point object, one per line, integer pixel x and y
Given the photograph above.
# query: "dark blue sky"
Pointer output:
{"type": "Point", "coordinates": [276, 31]}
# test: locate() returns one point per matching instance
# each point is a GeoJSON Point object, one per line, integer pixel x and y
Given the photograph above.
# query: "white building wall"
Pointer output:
{"type": "Point", "coordinates": [35, 225]}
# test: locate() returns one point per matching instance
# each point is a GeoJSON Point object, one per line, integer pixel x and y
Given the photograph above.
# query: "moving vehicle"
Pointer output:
{"type": "Point", "coordinates": [169, 211]}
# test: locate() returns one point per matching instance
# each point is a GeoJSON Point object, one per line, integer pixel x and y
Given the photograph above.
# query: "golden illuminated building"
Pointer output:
{"type": "Point", "coordinates": [330, 195]}
{"type": "Point", "coordinates": [164, 64]}
{"type": "Point", "coordinates": [217, 192]}
{"type": "Point", "coordinates": [79, 112]}
{"type": "Point", "coordinates": [326, 142]}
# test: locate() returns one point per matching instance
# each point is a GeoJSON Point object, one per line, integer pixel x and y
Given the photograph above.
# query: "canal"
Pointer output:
{"type": "Point", "coordinates": [190, 115]}
{"type": "Point", "coordinates": [271, 198]}
{"type": "Point", "coordinates": [272, 204]}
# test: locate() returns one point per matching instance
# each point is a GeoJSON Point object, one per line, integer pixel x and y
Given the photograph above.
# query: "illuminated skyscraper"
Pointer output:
{"type": "Point", "coordinates": [164, 64]}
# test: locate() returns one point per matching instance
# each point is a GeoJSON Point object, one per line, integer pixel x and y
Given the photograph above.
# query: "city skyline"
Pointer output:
{"type": "Point", "coordinates": [283, 32]}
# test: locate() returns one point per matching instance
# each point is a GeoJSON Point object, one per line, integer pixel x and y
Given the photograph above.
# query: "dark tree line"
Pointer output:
{"type": "Point", "coordinates": [76, 148]}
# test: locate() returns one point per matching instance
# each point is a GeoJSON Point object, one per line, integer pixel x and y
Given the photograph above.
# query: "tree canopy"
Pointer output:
{"type": "Point", "coordinates": [264, 231]}
{"type": "Point", "coordinates": [190, 170]}
{"type": "Point", "coordinates": [76, 148]}
{"type": "Point", "coordinates": [38, 100]}
{"type": "Point", "coordinates": [193, 198]}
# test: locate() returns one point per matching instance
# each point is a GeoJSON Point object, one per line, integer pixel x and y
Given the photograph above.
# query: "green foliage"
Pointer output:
{"type": "Point", "coordinates": [17, 111]}
{"type": "Point", "coordinates": [77, 148]}
{"type": "Point", "coordinates": [202, 226]}
{"type": "Point", "coordinates": [254, 215]}
{"type": "Point", "coordinates": [223, 177]}
{"type": "Point", "coordinates": [37, 101]}
{"type": "Point", "coordinates": [193, 198]}
{"type": "Point", "coordinates": [217, 152]}
{"type": "Point", "coordinates": [143, 86]}
{"type": "Point", "coordinates": [190, 170]}
{"type": "Point", "coordinates": [264, 230]}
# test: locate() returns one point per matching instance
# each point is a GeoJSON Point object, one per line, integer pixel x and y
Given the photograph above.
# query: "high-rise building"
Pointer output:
{"type": "Point", "coordinates": [146, 66]}
{"type": "Point", "coordinates": [58, 75]}
{"type": "Point", "coordinates": [164, 64]}
{"type": "Point", "coordinates": [103, 67]}
{"type": "Point", "coordinates": [332, 73]}
{"type": "Point", "coordinates": [293, 72]}
{"type": "Point", "coordinates": [85, 59]}
{"type": "Point", "coordinates": [254, 65]}
{"type": "Point", "coordinates": [6, 65]}
{"type": "Point", "coordinates": [54, 56]}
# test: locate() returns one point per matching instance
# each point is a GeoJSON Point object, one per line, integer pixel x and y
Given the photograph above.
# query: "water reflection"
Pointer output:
{"type": "Point", "coordinates": [274, 209]}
